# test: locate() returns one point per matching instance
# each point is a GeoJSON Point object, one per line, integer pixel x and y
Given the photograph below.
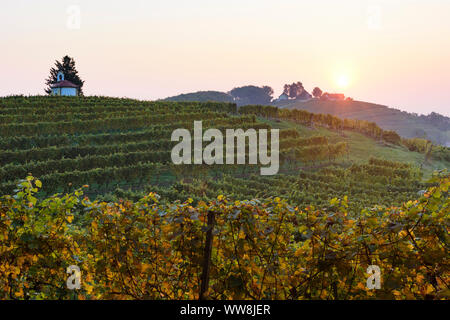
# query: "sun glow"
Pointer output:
{"type": "Point", "coordinates": [343, 81]}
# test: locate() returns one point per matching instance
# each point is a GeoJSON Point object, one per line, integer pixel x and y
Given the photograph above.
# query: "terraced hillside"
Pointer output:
{"type": "Point", "coordinates": [121, 149]}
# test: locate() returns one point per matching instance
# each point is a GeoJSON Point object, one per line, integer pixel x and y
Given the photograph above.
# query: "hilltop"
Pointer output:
{"type": "Point", "coordinates": [434, 127]}
{"type": "Point", "coordinates": [202, 96]}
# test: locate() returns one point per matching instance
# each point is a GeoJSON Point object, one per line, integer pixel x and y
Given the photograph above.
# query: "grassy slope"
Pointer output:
{"type": "Point", "coordinates": [363, 148]}
{"type": "Point", "coordinates": [406, 124]}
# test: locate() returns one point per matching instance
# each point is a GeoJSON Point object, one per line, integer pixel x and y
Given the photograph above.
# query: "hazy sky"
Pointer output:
{"type": "Point", "coordinates": [393, 52]}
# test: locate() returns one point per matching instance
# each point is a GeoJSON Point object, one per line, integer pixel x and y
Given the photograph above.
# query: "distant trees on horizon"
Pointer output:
{"type": "Point", "coordinates": [317, 93]}
{"type": "Point", "coordinates": [252, 95]}
{"type": "Point", "coordinates": [296, 91]}
{"type": "Point", "coordinates": [258, 95]}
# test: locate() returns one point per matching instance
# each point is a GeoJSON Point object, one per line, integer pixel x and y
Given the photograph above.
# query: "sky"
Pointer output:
{"type": "Point", "coordinates": [392, 52]}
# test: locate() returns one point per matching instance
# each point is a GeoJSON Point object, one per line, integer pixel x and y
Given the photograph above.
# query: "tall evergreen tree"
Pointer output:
{"type": "Point", "coordinates": [67, 66]}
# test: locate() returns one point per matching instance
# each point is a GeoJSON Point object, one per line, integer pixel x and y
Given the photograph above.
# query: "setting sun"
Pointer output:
{"type": "Point", "coordinates": [343, 81]}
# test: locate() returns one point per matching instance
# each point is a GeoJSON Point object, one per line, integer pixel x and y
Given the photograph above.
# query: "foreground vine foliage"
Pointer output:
{"type": "Point", "coordinates": [260, 250]}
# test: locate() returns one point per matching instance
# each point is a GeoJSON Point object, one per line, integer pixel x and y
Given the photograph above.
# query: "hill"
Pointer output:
{"type": "Point", "coordinates": [202, 96]}
{"type": "Point", "coordinates": [434, 126]}
{"type": "Point", "coordinates": [122, 148]}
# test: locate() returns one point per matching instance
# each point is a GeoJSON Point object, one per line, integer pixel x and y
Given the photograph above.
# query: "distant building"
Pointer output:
{"type": "Point", "coordinates": [333, 96]}
{"type": "Point", "coordinates": [64, 87]}
{"type": "Point", "coordinates": [283, 97]}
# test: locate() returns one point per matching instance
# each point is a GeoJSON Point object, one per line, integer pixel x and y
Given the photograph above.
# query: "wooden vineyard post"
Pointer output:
{"type": "Point", "coordinates": [207, 256]}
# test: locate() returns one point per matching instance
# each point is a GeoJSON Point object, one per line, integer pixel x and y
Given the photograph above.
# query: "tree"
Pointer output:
{"type": "Point", "coordinates": [269, 91]}
{"type": "Point", "coordinates": [287, 89]}
{"type": "Point", "coordinates": [67, 66]}
{"type": "Point", "coordinates": [317, 92]}
{"type": "Point", "coordinates": [296, 91]}
{"type": "Point", "coordinates": [252, 95]}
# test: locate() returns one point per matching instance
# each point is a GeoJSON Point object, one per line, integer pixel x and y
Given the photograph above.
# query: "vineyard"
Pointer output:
{"type": "Point", "coordinates": [121, 148]}
{"type": "Point", "coordinates": [107, 197]}
{"type": "Point", "coordinates": [250, 249]}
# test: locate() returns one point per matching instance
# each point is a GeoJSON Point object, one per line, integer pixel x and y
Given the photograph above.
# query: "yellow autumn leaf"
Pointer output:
{"type": "Point", "coordinates": [429, 289]}
{"type": "Point", "coordinates": [361, 286]}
